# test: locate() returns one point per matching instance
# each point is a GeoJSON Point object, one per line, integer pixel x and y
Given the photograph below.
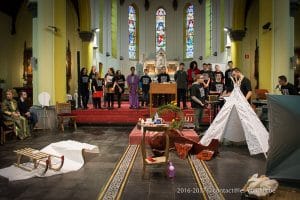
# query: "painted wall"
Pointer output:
{"type": "Point", "coordinates": [297, 29]}
{"type": "Point", "coordinates": [249, 42]}
{"type": "Point", "coordinates": [12, 46]}
{"type": "Point", "coordinates": [75, 43]}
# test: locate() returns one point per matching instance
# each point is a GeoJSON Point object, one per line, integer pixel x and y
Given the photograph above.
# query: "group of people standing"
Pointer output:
{"type": "Point", "coordinates": [113, 84]}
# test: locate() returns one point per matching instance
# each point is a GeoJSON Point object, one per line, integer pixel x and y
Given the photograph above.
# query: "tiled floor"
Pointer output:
{"type": "Point", "coordinates": [231, 169]}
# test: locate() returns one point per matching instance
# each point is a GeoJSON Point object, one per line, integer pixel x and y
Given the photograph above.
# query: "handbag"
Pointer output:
{"type": "Point", "coordinates": [98, 94]}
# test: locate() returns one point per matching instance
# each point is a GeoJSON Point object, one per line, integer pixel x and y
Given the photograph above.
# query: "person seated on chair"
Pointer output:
{"type": "Point", "coordinates": [11, 114]}
{"type": "Point", "coordinates": [24, 110]}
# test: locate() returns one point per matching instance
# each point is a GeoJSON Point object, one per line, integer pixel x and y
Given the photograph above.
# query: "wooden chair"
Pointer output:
{"type": "Point", "coordinates": [261, 93]}
{"type": "Point", "coordinates": [63, 111]}
{"type": "Point", "coordinates": [5, 129]}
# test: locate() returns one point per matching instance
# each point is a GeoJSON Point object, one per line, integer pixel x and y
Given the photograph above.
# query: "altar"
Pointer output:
{"type": "Point", "coordinates": [154, 66]}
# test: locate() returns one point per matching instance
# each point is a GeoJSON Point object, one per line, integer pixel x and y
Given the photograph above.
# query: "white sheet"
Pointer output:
{"type": "Point", "coordinates": [73, 160]}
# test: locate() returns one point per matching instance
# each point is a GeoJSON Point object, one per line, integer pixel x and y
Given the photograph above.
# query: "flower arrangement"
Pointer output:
{"type": "Point", "coordinates": [172, 113]}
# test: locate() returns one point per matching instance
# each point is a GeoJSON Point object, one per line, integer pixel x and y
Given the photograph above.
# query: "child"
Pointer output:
{"type": "Point", "coordinates": [97, 85]}
{"type": "Point", "coordinates": [198, 97]}
{"type": "Point", "coordinates": [145, 82]}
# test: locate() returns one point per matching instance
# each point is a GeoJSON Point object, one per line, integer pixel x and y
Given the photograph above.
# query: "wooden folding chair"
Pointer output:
{"type": "Point", "coordinates": [5, 129]}
{"type": "Point", "coordinates": [63, 111]}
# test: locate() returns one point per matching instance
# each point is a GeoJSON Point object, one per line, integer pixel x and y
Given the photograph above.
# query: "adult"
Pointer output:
{"type": "Point", "coordinates": [181, 78]}
{"type": "Point", "coordinates": [110, 87]}
{"type": "Point", "coordinates": [217, 87]}
{"type": "Point", "coordinates": [228, 73]}
{"type": "Point", "coordinates": [206, 71]}
{"type": "Point", "coordinates": [92, 76]}
{"type": "Point", "coordinates": [145, 82]}
{"type": "Point", "coordinates": [11, 113]}
{"type": "Point", "coordinates": [120, 86]}
{"type": "Point", "coordinates": [286, 88]}
{"type": "Point", "coordinates": [218, 71]}
{"type": "Point", "coordinates": [97, 85]}
{"type": "Point", "coordinates": [84, 87]}
{"type": "Point", "coordinates": [192, 72]}
{"type": "Point", "coordinates": [198, 98]}
{"type": "Point", "coordinates": [243, 82]}
{"type": "Point", "coordinates": [24, 110]}
{"type": "Point", "coordinates": [163, 77]}
{"type": "Point", "coordinates": [133, 87]}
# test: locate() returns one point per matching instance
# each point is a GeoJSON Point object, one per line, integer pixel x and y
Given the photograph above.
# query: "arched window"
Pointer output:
{"type": "Point", "coordinates": [132, 33]}
{"type": "Point", "coordinates": [189, 31]}
{"type": "Point", "coordinates": [160, 29]}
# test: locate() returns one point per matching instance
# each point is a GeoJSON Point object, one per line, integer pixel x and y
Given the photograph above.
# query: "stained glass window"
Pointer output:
{"type": "Point", "coordinates": [209, 28]}
{"type": "Point", "coordinates": [132, 34]}
{"type": "Point", "coordinates": [160, 29]}
{"type": "Point", "coordinates": [189, 32]}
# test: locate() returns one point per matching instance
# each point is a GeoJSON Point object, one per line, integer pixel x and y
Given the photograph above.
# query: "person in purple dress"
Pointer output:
{"type": "Point", "coordinates": [133, 88]}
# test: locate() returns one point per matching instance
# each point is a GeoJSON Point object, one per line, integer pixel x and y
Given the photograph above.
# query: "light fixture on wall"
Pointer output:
{"type": "Point", "coordinates": [96, 30]}
{"type": "Point", "coordinates": [121, 58]}
{"type": "Point", "coordinates": [215, 53]}
{"type": "Point", "coordinates": [107, 54]}
{"type": "Point", "coordinates": [53, 28]}
{"type": "Point", "coordinates": [200, 58]}
{"type": "Point", "coordinates": [267, 26]}
{"type": "Point", "coordinates": [227, 29]}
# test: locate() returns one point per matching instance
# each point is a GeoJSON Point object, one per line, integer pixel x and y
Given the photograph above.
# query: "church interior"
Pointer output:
{"type": "Point", "coordinates": [135, 142]}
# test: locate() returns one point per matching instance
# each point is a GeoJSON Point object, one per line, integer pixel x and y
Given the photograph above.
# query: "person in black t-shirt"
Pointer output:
{"type": "Point", "coordinates": [198, 97]}
{"type": "Point", "coordinates": [84, 87]}
{"type": "Point", "coordinates": [243, 82]}
{"type": "Point", "coordinates": [228, 72]}
{"type": "Point", "coordinates": [24, 110]}
{"type": "Point", "coordinates": [217, 87]}
{"type": "Point", "coordinates": [120, 86]}
{"type": "Point", "coordinates": [286, 88]}
{"type": "Point", "coordinates": [163, 77]}
{"type": "Point", "coordinates": [145, 81]}
{"type": "Point", "coordinates": [182, 84]}
{"type": "Point", "coordinates": [218, 71]}
{"type": "Point", "coordinates": [97, 86]}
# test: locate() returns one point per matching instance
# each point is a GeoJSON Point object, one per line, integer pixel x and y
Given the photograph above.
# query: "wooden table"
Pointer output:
{"type": "Point", "coordinates": [161, 88]}
{"type": "Point", "coordinates": [162, 160]}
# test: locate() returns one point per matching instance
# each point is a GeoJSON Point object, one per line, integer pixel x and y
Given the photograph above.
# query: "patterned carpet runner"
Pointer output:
{"type": "Point", "coordinates": [205, 180]}
{"type": "Point", "coordinates": [115, 185]}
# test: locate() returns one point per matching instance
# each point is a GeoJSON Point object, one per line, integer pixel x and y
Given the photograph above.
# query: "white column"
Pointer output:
{"type": "Point", "coordinates": [282, 41]}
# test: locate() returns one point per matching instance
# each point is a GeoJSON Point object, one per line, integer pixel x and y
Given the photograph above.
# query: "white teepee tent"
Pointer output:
{"type": "Point", "coordinates": [237, 122]}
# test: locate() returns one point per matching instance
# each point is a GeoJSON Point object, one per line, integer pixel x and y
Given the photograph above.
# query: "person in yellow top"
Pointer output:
{"type": "Point", "coordinates": [11, 113]}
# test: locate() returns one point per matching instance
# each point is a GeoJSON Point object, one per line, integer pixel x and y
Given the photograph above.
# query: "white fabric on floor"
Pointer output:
{"type": "Point", "coordinates": [73, 160]}
{"type": "Point", "coordinates": [237, 122]}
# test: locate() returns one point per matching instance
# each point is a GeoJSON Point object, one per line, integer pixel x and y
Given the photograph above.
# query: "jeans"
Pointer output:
{"type": "Point", "coordinates": [145, 98]}
{"type": "Point", "coordinates": [181, 95]}
{"type": "Point", "coordinates": [198, 116]}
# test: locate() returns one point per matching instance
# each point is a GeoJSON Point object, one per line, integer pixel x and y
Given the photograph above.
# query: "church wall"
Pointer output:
{"type": "Point", "coordinates": [75, 43]}
{"type": "Point", "coordinates": [6, 45]}
{"type": "Point", "coordinates": [249, 42]}
{"type": "Point", "coordinates": [12, 46]}
{"type": "Point", "coordinates": [297, 30]}
{"type": "Point", "coordinates": [174, 33]}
